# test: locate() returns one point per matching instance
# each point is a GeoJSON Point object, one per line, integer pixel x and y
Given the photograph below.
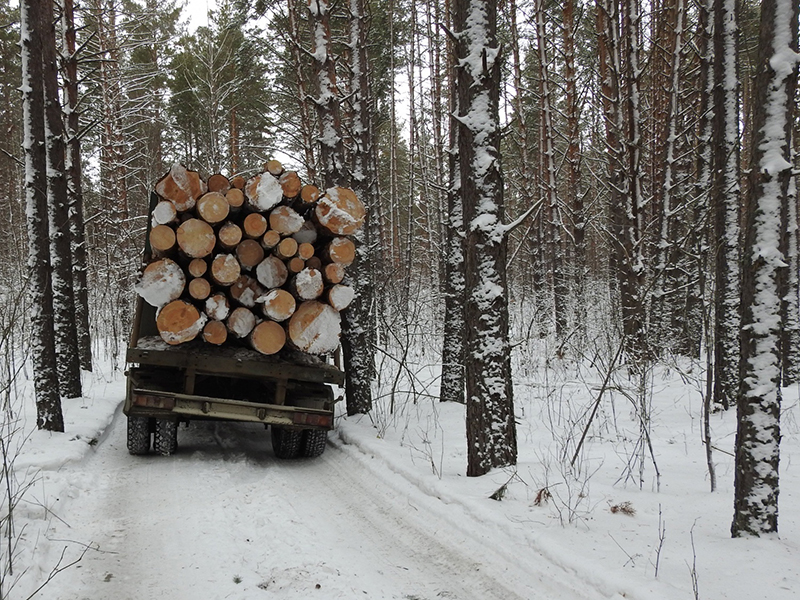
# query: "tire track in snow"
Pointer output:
{"type": "Point", "coordinates": [224, 519]}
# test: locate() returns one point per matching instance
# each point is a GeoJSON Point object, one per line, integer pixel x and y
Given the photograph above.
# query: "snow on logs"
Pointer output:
{"type": "Point", "coordinates": [259, 261]}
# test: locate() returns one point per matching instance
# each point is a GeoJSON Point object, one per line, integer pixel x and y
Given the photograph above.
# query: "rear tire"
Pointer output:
{"type": "Point", "coordinates": [286, 442]}
{"type": "Point", "coordinates": [138, 435]}
{"type": "Point", "coordinates": [165, 440]}
{"type": "Point", "coordinates": [314, 441]}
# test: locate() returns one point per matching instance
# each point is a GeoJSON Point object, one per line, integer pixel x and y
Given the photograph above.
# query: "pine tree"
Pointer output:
{"type": "Point", "coordinates": [763, 273]}
{"type": "Point", "coordinates": [33, 18]}
{"type": "Point", "coordinates": [491, 430]}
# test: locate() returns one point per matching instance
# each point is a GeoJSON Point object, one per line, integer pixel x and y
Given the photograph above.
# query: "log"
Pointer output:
{"type": "Point", "coordinates": [254, 225]}
{"type": "Point", "coordinates": [238, 182]}
{"type": "Point", "coordinates": [181, 186]}
{"type": "Point", "coordinates": [217, 306]}
{"type": "Point", "coordinates": [333, 273]}
{"type": "Point", "coordinates": [274, 167]}
{"type": "Point", "coordinates": [295, 265]}
{"type": "Point", "coordinates": [179, 322]}
{"type": "Point", "coordinates": [196, 238]}
{"type": "Point", "coordinates": [199, 288]}
{"type": "Point", "coordinates": [286, 249]}
{"type": "Point", "coordinates": [291, 184]}
{"type": "Point", "coordinates": [307, 284]}
{"type": "Point", "coordinates": [249, 253]}
{"type": "Point", "coordinates": [340, 296]}
{"type": "Point", "coordinates": [315, 328]}
{"type": "Point", "coordinates": [215, 333]}
{"type": "Point", "coordinates": [305, 251]}
{"type": "Point", "coordinates": [164, 213]}
{"type": "Point", "coordinates": [162, 240]}
{"type": "Point", "coordinates": [235, 198]}
{"type": "Point", "coordinates": [285, 220]}
{"type": "Point", "coordinates": [246, 290]}
{"type": "Point", "coordinates": [309, 194]}
{"type": "Point", "coordinates": [229, 235]}
{"type": "Point", "coordinates": [340, 211]}
{"type": "Point", "coordinates": [268, 337]}
{"type": "Point", "coordinates": [162, 282]}
{"type": "Point", "coordinates": [271, 239]}
{"type": "Point", "coordinates": [197, 267]}
{"type": "Point", "coordinates": [241, 322]}
{"type": "Point", "coordinates": [225, 269]}
{"type": "Point", "coordinates": [307, 233]}
{"type": "Point", "coordinates": [213, 208]}
{"type": "Point", "coordinates": [315, 263]}
{"type": "Point", "coordinates": [341, 250]}
{"type": "Point", "coordinates": [218, 183]}
{"type": "Point", "coordinates": [271, 272]}
{"type": "Point", "coordinates": [263, 192]}
{"type": "Point", "coordinates": [278, 305]}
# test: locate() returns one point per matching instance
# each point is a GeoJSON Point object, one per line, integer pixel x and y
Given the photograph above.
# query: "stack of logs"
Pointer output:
{"type": "Point", "coordinates": [260, 260]}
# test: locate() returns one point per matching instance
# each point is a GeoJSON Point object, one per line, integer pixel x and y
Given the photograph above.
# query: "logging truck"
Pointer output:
{"type": "Point", "coordinates": [237, 313]}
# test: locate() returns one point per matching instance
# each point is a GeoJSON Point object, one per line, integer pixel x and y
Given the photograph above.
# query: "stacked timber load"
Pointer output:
{"type": "Point", "coordinates": [260, 260]}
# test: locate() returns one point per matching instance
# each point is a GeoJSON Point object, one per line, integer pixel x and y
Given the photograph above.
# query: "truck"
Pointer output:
{"type": "Point", "coordinates": [290, 393]}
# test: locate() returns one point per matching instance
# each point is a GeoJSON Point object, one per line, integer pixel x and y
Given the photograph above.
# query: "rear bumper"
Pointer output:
{"type": "Point", "coordinates": [161, 404]}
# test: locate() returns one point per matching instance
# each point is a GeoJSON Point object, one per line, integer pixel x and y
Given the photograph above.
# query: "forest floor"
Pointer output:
{"type": "Point", "coordinates": [387, 513]}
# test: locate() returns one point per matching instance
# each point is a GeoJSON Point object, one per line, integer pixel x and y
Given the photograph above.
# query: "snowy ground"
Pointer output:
{"type": "Point", "coordinates": [387, 513]}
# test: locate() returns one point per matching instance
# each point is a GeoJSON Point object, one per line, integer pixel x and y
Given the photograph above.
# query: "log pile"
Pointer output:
{"type": "Point", "coordinates": [260, 260]}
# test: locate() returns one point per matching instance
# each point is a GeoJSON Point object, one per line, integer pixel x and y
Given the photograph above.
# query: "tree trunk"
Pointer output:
{"type": "Point", "coordinates": [454, 335]}
{"type": "Point", "coordinates": [48, 401]}
{"type": "Point", "coordinates": [75, 186]}
{"type": "Point", "coordinates": [763, 273]}
{"type": "Point", "coordinates": [491, 430]}
{"type": "Point", "coordinates": [726, 203]}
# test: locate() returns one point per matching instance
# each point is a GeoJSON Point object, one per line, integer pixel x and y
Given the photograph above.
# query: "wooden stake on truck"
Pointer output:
{"type": "Point", "coordinates": [237, 315]}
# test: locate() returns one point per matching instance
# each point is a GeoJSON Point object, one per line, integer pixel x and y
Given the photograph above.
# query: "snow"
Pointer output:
{"type": "Point", "coordinates": [264, 192]}
{"type": "Point", "coordinates": [161, 286]}
{"type": "Point", "coordinates": [386, 512]}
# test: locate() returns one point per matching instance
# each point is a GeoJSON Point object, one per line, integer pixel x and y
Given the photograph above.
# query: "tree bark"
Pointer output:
{"type": "Point", "coordinates": [66, 334]}
{"type": "Point", "coordinates": [48, 401]}
{"type": "Point", "coordinates": [75, 186]}
{"type": "Point", "coordinates": [726, 202]}
{"type": "Point", "coordinates": [491, 430]}
{"type": "Point", "coordinates": [763, 273]}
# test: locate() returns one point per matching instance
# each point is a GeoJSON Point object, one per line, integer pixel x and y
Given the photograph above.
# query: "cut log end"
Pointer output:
{"type": "Point", "coordinates": [315, 328]}
{"type": "Point", "coordinates": [241, 322]}
{"type": "Point", "coordinates": [199, 288]}
{"type": "Point", "coordinates": [213, 208]}
{"type": "Point", "coordinates": [263, 192]}
{"type": "Point", "coordinates": [249, 253]}
{"type": "Point", "coordinates": [268, 337]}
{"type": "Point", "coordinates": [196, 238]}
{"type": "Point", "coordinates": [162, 282]}
{"type": "Point", "coordinates": [218, 183]}
{"type": "Point", "coordinates": [179, 322]}
{"type": "Point", "coordinates": [278, 305]}
{"type": "Point", "coordinates": [225, 269]}
{"type": "Point", "coordinates": [215, 333]}
{"type": "Point", "coordinates": [162, 239]}
{"type": "Point", "coordinates": [340, 211]}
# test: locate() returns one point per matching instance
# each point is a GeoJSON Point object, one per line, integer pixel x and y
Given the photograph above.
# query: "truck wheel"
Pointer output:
{"type": "Point", "coordinates": [314, 441]}
{"type": "Point", "coordinates": [165, 440]}
{"type": "Point", "coordinates": [138, 435]}
{"type": "Point", "coordinates": [286, 442]}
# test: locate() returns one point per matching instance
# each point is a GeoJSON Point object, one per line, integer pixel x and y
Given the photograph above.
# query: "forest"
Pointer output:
{"type": "Point", "coordinates": [617, 178]}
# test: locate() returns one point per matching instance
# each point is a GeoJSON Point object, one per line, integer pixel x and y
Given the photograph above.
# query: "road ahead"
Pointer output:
{"type": "Point", "coordinates": [223, 518]}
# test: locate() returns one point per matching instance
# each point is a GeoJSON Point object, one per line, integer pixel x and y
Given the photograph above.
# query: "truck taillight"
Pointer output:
{"type": "Point", "coordinates": [150, 401]}
{"type": "Point", "coordinates": [311, 419]}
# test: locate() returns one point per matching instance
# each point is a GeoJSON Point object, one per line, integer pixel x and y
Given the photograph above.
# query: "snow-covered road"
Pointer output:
{"type": "Point", "coordinates": [224, 519]}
